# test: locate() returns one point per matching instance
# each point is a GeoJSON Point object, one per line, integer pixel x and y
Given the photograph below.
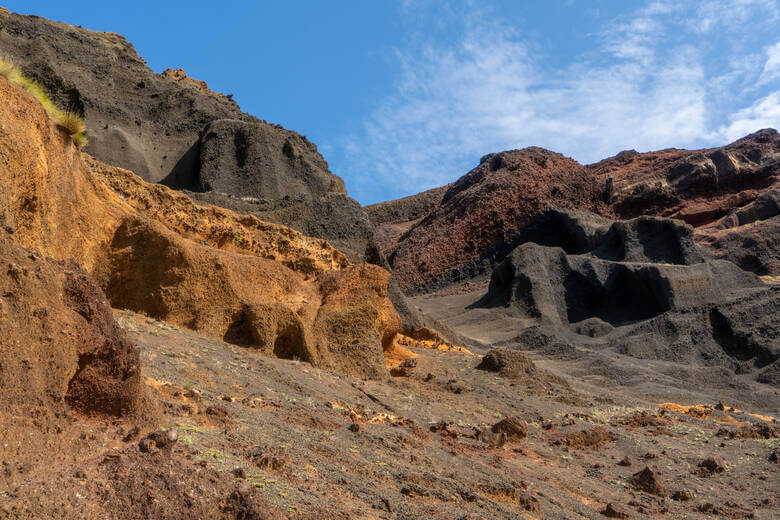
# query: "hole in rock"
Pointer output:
{"type": "Point", "coordinates": [240, 331]}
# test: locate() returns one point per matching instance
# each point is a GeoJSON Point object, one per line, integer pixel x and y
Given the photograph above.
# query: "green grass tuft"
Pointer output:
{"type": "Point", "coordinates": [71, 122]}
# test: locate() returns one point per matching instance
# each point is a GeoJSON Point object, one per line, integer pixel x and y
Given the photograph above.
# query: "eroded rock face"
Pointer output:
{"type": "Point", "coordinates": [728, 193]}
{"type": "Point", "coordinates": [645, 293]}
{"type": "Point", "coordinates": [59, 342]}
{"type": "Point", "coordinates": [172, 129]}
{"type": "Point", "coordinates": [136, 119]}
{"type": "Point", "coordinates": [226, 275]}
{"type": "Point", "coordinates": [251, 160]}
{"type": "Point", "coordinates": [481, 211]}
{"type": "Point", "coordinates": [673, 182]}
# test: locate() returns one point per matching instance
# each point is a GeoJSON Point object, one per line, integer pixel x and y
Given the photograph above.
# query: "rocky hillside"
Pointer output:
{"type": "Point", "coordinates": [171, 129]}
{"type": "Point", "coordinates": [479, 212]}
{"type": "Point", "coordinates": [729, 194]}
{"type": "Point", "coordinates": [394, 218]}
{"type": "Point", "coordinates": [613, 364]}
{"type": "Point", "coordinates": [154, 251]}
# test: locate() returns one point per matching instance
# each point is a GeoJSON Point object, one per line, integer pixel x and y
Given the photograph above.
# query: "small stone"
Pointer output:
{"type": "Point", "coordinates": [268, 458]}
{"type": "Point", "coordinates": [682, 495]}
{"type": "Point", "coordinates": [625, 461]}
{"type": "Point", "coordinates": [192, 394]}
{"type": "Point", "coordinates": [405, 369]}
{"type": "Point", "coordinates": [457, 387]}
{"type": "Point", "coordinates": [711, 466]}
{"type": "Point", "coordinates": [147, 446]}
{"type": "Point", "coordinates": [354, 427]}
{"type": "Point", "coordinates": [613, 511]}
{"type": "Point", "coordinates": [132, 434]}
{"type": "Point", "coordinates": [647, 480]}
{"type": "Point", "coordinates": [444, 428]}
{"type": "Point", "coordinates": [239, 473]}
{"type": "Point", "coordinates": [775, 455]}
{"type": "Point", "coordinates": [514, 428]}
{"type": "Point", "coordinates": [491, 438]}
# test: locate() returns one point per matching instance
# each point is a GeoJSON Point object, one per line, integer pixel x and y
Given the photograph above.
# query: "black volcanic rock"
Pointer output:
{"type": "Point", "coordinates": [148, 123]}
{"type": "Point", "coordinates": [260, 161]}
{"type": "Point", "coordinates": [639, 287]}
{"type": "Point", "coordinates": [643, 239]}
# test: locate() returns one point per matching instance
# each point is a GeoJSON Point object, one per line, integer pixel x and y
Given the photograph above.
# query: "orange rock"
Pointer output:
{"type": "Point", "coordinates": [154, 251]}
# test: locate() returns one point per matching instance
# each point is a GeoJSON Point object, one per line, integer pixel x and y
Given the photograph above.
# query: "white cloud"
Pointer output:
{"type": "Point", "coordinates": [764, 113]}
{"type": "Point", "coordinates": [645, 87]}
{"type": "Point", "coordinates": [772, 66]}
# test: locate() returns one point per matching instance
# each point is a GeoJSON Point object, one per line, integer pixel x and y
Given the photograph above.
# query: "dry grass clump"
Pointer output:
{"type": "Point", "coordinates": [70, 121]}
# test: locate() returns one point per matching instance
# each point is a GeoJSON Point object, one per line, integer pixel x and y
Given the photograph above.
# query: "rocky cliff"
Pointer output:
{"type": "Point", "coordinates": [728, 193]}
{"type": "Point", "coordinates": [171, 129]}
{"type": "Point", "coordinates": [154, 251]}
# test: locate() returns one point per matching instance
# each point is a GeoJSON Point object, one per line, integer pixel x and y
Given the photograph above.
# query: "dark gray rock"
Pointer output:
{"type": "Point", "coordinates": [660, 301]}
{"type": "Point", "coordinates": [259, 161]}
{"type": "Point", "coordinates": [642, 239]}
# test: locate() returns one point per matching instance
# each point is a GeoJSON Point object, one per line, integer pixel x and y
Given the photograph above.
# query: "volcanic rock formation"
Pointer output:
{"type": "Point", "coordinates": [729, 194]}
{"type": "Point", "coordinates": [154, 251]}
{"type": "Point", "coordinates": [639, 286]}
{"type": "Point", "coordinates": [172, 129]}
{"type": "Point", "coordinates": [481, 210]}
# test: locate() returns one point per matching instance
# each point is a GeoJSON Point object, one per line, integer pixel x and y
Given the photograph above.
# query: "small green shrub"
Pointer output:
{"type": "Point", "coordinates": [70, 121]}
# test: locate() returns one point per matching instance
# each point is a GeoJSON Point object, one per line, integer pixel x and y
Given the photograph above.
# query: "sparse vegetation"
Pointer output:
{"type": "Point", "coordinates": [213, 453]}
{"type": "Point", "coordinates": [70, 121]}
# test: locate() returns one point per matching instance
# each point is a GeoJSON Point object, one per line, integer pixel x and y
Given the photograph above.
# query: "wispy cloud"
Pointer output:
{"type": "Point", "coordinates": [661, 76]}
{"type": "Point", "coordinates": [771, 70]}
{"type": "Point", "coordinates": [765, 112]}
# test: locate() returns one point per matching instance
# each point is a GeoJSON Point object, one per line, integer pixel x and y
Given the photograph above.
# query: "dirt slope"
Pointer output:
{"type": "Point", "coordinates": [156, 252]}
{"type": "Point", "coordinates": [263, 436]}
{"type": "Point", "coordinates": [630, 301]}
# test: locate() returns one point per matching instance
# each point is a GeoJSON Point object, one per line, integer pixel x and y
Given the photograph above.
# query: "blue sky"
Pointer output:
{"type": "Point", "coordinates": [407, 95]}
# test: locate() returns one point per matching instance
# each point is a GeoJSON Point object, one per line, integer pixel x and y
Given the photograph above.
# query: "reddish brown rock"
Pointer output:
{"type": "Point", "coordinates": [648, 481]}
{"type": "Point", "coordinates": [514, 428]}
{"type": "Point", "coordinates": [613, 511]}
{"type": "Point", "coordinates": [480, 211]}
